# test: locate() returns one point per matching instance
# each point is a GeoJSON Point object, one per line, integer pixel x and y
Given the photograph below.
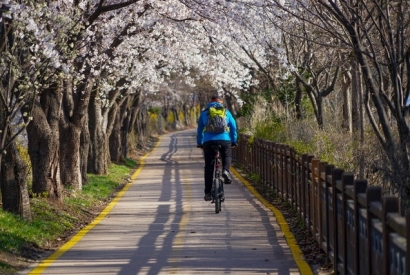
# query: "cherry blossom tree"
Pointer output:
{"type": "Point", "coordinates": [88, 62]}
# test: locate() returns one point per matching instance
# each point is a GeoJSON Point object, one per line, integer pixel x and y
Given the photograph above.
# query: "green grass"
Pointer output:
{"type": "Point", "coordinates": [53, 220]}
{"type": "Point", "coordinates": [100, 187]}
{"type": "Point", "coordinates": [255, 177]}
{"type": "Point", "coordinates": [14, 232]}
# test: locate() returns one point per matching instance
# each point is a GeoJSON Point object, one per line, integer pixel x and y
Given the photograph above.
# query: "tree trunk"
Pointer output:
{"type": "Point", "coordinates": [119, 131]}
{"type": "Point", "coordinates": [358, 114]}
{"type": "Point", "coordinates": [139, 123]}
{"type": "Point", "coordinates": [319, 112]}
{"type": "Point", "coordinates": [74, 111]}
{"type": "Point", "coordinates": [347, 103]}
{"type": "Point", "coordinates": [134, 111]}
{"type": "Point", "coordinates": [98, 153]}
{"type": "Point", "coordinates": [70, 156]}
{"type": "Point", "coordinates": [84, 150]}
{"type": "Point", "coordinates": [13, 181]}
{"type": "Point", "coordinates": [125, 131]}
{"type": "Point", "coordinates": [43, 145]}
{"type": "Point", "coordinates": [139, 118]}
{"type": "Point", "coordinates": [101, 124]}
{"type": "Point", "coordinates": [176, 124]}
{"type": "Point", "coordinates": [298, 100]}
{"type": "Point", "coordinates": [187, 116]}
{"type": "Point", "coordinates": [115, 144]}
{"type": "Point", "coordinates": [356, 98]}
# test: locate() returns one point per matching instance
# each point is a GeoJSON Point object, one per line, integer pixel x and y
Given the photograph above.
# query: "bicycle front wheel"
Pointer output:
{"type": "Point", "coordinates": [217, 197]}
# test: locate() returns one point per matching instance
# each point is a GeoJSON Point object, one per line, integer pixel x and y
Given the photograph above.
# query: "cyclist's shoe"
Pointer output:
{"type": "Point", "coordinates": [208, 197]}
{"type": "Point", "coordinates": [227, 177]}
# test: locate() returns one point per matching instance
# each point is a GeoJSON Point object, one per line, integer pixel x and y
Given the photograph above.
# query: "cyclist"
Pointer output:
{"type": "Point", "coordinates": [227, 140]}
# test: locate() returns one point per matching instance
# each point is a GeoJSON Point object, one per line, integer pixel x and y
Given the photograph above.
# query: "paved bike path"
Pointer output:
{"type": "Point", "coordinates": [160, 224]}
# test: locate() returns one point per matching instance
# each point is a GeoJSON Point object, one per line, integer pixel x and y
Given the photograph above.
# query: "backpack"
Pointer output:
{"type": "Point", "coordinates": [216, 123]}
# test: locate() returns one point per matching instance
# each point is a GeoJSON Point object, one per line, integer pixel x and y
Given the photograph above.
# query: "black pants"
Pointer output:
{"type": "Point", "coordinates": [209, 155]}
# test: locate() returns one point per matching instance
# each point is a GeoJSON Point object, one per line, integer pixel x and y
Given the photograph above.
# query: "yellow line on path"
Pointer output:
{"type": "Point", "coordinates": [68, 245]}
{"type": "Point", "coordinates": [297, 254]}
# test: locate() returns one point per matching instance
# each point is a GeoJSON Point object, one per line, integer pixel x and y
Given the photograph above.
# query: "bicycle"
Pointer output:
{"type": "Point", "coordinates": [217, 190]}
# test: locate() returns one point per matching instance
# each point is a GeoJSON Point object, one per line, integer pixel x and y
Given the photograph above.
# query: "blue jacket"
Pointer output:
{"type": "Point", "coordinates": [202, 136]}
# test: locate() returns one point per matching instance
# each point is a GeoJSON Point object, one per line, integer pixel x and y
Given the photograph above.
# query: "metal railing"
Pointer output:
{"type": "Point", "coordinates": [361, 231]}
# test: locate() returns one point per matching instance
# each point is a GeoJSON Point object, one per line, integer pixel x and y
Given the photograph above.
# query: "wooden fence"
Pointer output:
{"type": "Point", "coordinates": [360, 230]}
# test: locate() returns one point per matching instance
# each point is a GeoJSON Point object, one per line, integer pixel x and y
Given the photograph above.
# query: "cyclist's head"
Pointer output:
{"type": "Point", "coordinates": [217, 98]}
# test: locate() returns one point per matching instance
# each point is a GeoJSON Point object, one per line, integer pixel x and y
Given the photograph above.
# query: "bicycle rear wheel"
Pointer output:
{"type": "Point", "coordinates": [217, 197]}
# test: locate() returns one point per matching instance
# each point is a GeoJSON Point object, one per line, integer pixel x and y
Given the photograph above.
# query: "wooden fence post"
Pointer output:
{"type": "Point", "coordinates": [321, 201]}
{"type": "Point", "coordinates": [313, 198]}
{"type": "Point", "coordinates": [301, 187]}
{"type": "Point", "coordinates": [252, 156]}
{"type": "Point", "coordinates": [373, 194]}
{"type": "Point", "coordinates": [359, 187]}
{"type": "Point", "coordinates": [270, 166]}
{"type": "Point", "coordinates": [277, 168]}
{"type": "Point", "coordinates": [244, 148]}
{"type": "Point", "coordinates": [265, 163]}
{"type": "Point", "coordinates": [337, 174]}
{"type": "Point", "coordinates": [257, 158]}
{"type": "Point", "coordinates": [347, 179]}
{"type": "Point", "coordinates": [282, 171]}
{"type": "Point", "coordinates": [262, 160]}
{"type": "Point", "coordinates": [291, 177]}
{"type": "Point", "coordinates": [327, 206]}
{"type": "Point", "coordinates": [390, 205]}
{"type": "Point", "coordinates": [286, 182]}
{"type": "Point", "coordinates": [308, 187]}
{"type": "Point", "coordinates": [408, 243]}
{"type": "Point", "coordinates": [268, 162]}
